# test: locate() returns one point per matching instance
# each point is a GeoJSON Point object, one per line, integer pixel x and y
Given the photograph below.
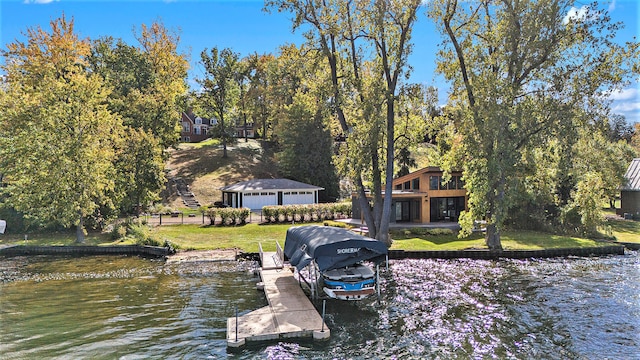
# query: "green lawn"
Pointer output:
{"type": "Point", "coordinates": [245, 237]}
{"type": "Point", "coordinates": [521, 240]}
{"type": "Point", "coordinates": [625, 230]}
{"type": "Point", "coordinates": [55, 238]}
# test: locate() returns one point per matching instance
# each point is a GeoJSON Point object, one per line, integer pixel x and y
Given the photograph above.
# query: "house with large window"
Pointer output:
{"type": "Point", "coordinates": [424, 196]}
{"type": "Point", "coordinates": [194, 128]}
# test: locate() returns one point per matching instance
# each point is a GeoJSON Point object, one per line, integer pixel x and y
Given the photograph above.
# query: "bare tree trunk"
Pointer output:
{"type": "Point", "coordinates": [80, 231]}
{"type": "Point", "coordinates": [224, 138]}
{"type": "Point", "coordinates": [493, 238]}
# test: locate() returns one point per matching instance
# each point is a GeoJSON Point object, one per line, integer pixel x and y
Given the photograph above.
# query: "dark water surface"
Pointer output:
{"type": "Point", "coordinates": [131, 308]}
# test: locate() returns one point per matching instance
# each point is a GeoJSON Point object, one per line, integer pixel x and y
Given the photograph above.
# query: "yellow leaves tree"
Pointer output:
{"type": "Point", "coordinates": [57, 137]}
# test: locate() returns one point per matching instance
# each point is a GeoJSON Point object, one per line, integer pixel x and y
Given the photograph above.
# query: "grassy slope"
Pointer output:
{"type": "Point", "coordinates": [202, 167]}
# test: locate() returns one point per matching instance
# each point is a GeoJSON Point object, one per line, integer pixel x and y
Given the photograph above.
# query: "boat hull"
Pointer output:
{"type": "Point", "coordinates": [349, 295]}
{"type": "Point", "coordinates": [349, 283]}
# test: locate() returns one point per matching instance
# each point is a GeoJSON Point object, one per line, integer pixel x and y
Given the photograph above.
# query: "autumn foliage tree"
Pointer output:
{"type": "Point", "coordinates": [57, 137]}
{"type": "Point", "coordinates": [524, 75]}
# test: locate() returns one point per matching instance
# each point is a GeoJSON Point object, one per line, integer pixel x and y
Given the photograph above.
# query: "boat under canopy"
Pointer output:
{"type": "Point", "coordinates": [330, 247]}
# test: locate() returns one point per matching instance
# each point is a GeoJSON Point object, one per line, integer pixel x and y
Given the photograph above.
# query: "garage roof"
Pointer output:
{"type": "Point", "coordinates": [269, 184]}
{"type": "Point", "coordinates": [633, 176]}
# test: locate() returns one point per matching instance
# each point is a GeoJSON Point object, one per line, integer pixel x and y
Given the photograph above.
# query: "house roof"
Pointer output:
{"type": "Point", "coordinates": [633, 176]}
{"type": "Point", "coordinates": [428, 169]}
{"type": "Point", "coordinates": [192, 117]}
{"type": "Point", "coordinates": [269, 184]}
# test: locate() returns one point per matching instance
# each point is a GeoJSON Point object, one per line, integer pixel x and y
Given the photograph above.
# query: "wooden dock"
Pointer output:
{"type": "Point", "coordinates": [290, 313]}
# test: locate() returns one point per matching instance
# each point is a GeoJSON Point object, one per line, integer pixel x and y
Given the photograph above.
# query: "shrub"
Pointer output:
{"type": "Point", "coordinates": [119, 231]}
{"type": "Point", "coordinates": [142, 235]}
{"type": "Point", "coordinates": [212, 213]}
{"type": "Point", "coordinates": [335, 224]}
{"type": "Point", "coordinates": [306, 212]}
{"type": "Point", "coordinates": [243, 214]}
{"type": "Point", "coordinates": [440, 231]}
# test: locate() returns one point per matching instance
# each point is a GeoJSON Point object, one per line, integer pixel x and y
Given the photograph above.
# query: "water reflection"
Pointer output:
{"type": "Point", "coordinates": [119, 307]}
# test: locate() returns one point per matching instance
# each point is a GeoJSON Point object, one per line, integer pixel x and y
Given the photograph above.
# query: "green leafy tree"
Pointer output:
{"type": "Point", "coordinates": [416, 104]}
{"type": "Point", "coordinates": [306, 145]}
{"type": "Point", "coordinates": [259, 93]}
{"type": "Point", "coordinates": [140, 168]}
{"type": "Point", "coordinates": [148, 80]}
{"type": "Point", "coordinates": [242, 79]}
{"type": "Point", "coordinates": [635, 139]}
{"type": "Point", "coordinates": [365, 46]}
{"type": "Point", "coordinates": [519, 71]}
{"type": "Point", "coordinates": [57, 136]}
{"type": "Point", "coordinates": [220, 91]}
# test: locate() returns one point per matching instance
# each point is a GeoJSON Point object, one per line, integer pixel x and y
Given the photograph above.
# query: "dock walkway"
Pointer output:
{"type": "Point", "coordinates": [290, 313]}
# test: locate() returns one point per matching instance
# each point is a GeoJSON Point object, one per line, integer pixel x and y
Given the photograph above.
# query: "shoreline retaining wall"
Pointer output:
{"type": "Point", "coordinates": [153, 251]}
{"type": "Point", "coordinates": [507, 254]}
{"type": "Point", "coordinates": [80, 250]}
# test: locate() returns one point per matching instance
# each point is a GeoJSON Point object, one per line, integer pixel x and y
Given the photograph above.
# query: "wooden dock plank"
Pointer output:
{"type": "Point", "coordinates": [289, 314]}
{"type": "Point", "coordinates": [270, 261]}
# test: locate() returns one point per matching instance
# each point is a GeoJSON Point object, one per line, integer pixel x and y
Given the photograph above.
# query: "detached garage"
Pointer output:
{"type": "Point", "coordinates": [630, 192]}
{"type": "Point", "coordinates": [257, 193]}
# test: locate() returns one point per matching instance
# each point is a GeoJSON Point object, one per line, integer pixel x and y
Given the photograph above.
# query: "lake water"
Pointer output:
{"type": "Point", "coordinates": [131, 308]}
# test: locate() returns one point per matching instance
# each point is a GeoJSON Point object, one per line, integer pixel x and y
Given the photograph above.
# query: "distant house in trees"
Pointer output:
{"type": "Point", "coordinates": [254, 194]}
{"type": "Point", "coordinates": [424, 197]}
{"type": "Point", "coordinates": [241, 129]}
{"type": "Point", "coordinates": [630, 192]}
{"type": "Point", "coordinates": [195, 128]}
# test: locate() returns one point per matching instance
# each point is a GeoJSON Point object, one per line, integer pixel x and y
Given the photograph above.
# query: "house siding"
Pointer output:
{"type": "Point", "coordinates": [413, 199]}
{"type": "Point", "coordinates": [190, 130]}
{"type": "Point", "coordinates": [630, 192]}
{"type": "Point", "coordinates": [630, 203]}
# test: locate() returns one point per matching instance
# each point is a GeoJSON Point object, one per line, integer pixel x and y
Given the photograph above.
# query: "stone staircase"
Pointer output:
{"type": "Point", "coordinates": [188, 198]}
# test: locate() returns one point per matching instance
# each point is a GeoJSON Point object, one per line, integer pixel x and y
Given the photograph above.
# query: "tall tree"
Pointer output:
{"type": "Point", "coordinates": [306, 145]}
{"type": "Point", "coordinates": [519, 69]}
{"type": "Point", "coordinates": [148, 84]}
{"type": "Point", "coordinates": [635, 138]}
{"type": "Point", "coordinates": [304, 142]}
{"type": "Point", "coordinates": [219, 86]}
{"type": "Point", "coordinates": [160, 103]}
{"type": "Point", "coordinates": [375, 37]}
{"type": "Point", "coordinates": [242, 78]}
{"type": "Point", "coordinates": [140, 167]}
{"type": "Point", "coordinates": [57, 137]}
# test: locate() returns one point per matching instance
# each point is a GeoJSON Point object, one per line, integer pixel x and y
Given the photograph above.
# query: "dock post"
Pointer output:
{"type": "Point", "coordinates": [324, 304]}
{"type": "Point", "coordinates": [378, 280]}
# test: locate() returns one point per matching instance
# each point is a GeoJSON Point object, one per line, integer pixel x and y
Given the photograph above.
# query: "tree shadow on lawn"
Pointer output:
{"type": "Point", "coordinates": [240, 164]}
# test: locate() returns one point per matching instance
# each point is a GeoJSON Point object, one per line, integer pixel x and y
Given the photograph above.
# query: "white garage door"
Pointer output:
{"type": "Point", "coordinates": [297, 197]}
{"type": "Point", "coordinates": [257, 200]}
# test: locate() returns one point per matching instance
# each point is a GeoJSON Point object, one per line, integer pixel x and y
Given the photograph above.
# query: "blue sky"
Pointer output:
{"type": "Point", "coordinates": [244, 27]}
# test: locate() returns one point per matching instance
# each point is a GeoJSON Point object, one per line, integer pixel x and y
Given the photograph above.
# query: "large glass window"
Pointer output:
{"type": "Point", "coordinates": [433, 182]}
{"type": "Point", "coordinates": [415, 184]}
{"type": "Point", "coordinates": [452, 183]}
